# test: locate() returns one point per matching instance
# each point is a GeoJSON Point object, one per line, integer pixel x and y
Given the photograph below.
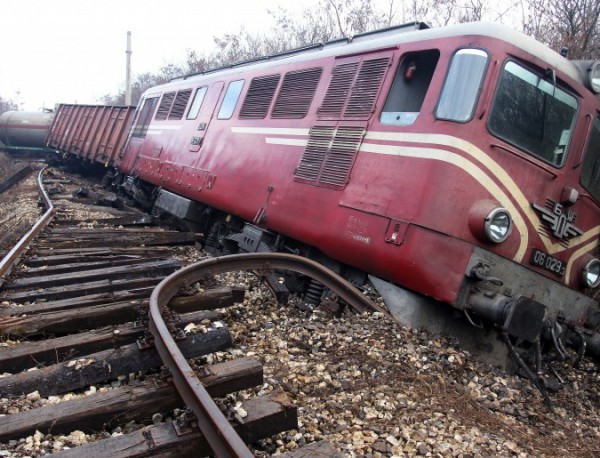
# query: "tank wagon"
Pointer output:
{"type": "Point", "coordinates": [25, 130]}
{"type": "Point", "coordinates": [459, 163]}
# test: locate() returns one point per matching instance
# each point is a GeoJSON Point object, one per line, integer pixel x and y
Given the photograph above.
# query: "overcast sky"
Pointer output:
{"type": "Point", "coordinates": [54, 51]}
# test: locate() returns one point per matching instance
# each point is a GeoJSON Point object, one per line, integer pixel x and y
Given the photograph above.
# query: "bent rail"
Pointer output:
{"type": "Point", "coordinates": [217, 430]}
{"type": "Point", "coordinates": [9, 260]}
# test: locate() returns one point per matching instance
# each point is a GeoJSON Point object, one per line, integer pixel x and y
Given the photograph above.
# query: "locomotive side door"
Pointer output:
{"type": "Point", "coordinates": [137, 135]}
{"type": "Point", "coordinates": [205, 115]}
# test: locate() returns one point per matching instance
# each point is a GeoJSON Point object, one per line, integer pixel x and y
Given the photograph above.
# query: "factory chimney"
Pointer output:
{"type": "Point", "coordinates": [128, 71]}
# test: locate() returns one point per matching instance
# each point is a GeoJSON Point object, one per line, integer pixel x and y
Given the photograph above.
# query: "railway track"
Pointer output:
{"type": "Point", "coordinates": [74, 320]}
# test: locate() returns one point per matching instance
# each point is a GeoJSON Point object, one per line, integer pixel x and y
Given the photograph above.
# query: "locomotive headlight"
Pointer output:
{"type": "Point", "coordinates": [594, 77]}
{"type": "Point", "coordinates": [590, 72]}
{"type": "Point", "coordinates": [498, 225]}
{"type": "Point", "coordinates": [591, 273]}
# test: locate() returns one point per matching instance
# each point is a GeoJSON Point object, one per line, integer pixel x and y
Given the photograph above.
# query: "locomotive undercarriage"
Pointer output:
{"type": "Point", "coordinates": [504, 326]}
{"type": "Point", "coordinates": [562, 318]}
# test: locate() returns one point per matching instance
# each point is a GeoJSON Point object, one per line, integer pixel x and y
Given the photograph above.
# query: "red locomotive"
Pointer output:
{"type": "Point", "coordinates": [462, 163]}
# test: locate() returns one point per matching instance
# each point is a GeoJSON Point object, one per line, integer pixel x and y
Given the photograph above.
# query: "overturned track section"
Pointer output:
{"type": "Point", "coordinates": [217, 430]}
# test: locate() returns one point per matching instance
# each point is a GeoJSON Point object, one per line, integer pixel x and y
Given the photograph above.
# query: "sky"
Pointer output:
{"type": "Point", "coordinates": [73, 51]}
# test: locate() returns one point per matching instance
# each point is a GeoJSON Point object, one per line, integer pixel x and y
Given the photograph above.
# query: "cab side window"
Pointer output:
{"type": "Point", "coordinates": [409, 88]}
{"type": "Point", "coordinates": [230, 100]}
{"type": "Point", "coordinates": [197, 103]}
{"type": "Point", "coordinates": [462, 86]}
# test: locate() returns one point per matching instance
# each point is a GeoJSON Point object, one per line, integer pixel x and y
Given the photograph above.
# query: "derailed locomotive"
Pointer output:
{"type": "Point", "coordinates": [461, 163]}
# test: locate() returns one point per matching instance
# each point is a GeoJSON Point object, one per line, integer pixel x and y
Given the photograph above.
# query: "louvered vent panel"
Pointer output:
{"type": "Point", "coordinates": [319, 142]}
{"type": "Point", "coordinates": [366, 88]}
{"type": "Point", "coordinates": [259, 97]}
{"type": "Point", "coordinates": [180, 103]}
{"type": "Point", "coordinates": [165, 106]}
{"type": "Point", "coordinates": [296, 94]}
{"type": "Point", "coordinates": [339, 160]}
{"type": "Point", "coordinates": [337, 92]}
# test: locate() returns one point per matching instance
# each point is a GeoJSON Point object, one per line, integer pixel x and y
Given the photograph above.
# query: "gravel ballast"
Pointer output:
{"type": "Point", "coordinates": [376, 388]}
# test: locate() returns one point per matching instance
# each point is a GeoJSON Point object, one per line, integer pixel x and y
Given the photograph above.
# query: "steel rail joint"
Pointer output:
{"type": "Point", "coordinates": [13, 255]}
{"type": "Point", "coordinates": [217, 430]}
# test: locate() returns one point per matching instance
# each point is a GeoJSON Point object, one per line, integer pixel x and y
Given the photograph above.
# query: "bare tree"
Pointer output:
{"type": "Point", "coordinates": [328, 20]}
{"type": "Point", "coordinates": [565, 23]}
{"type": "Point", "coordinates": [7, 105]}
{"type": "Point", "coordinates": [196, 63]}
{"type": "Point", "coordinates": [331, 19]}
{"type": "Point", "coordinates": [558, 23]}
{"type": "Point", "coordinates": [242, 46]}
{"type": "Point", "coordinates": [393, 13]}
{"type": "Point", "coordinates": [352, 16]}
{"type": "Point", "coordinates": [445, 12]}
{"type": "Point", "coordinates": [472, 11]}
{"type": "Point", "coordinates": [144, 81]}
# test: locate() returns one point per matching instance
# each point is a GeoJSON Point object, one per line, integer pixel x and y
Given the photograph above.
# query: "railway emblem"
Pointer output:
{"type": "Point", "coordinates": [559, 221]}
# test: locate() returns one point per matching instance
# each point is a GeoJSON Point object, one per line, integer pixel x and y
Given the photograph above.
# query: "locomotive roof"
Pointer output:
{"type": "Point", "coordinates": [392, 37]}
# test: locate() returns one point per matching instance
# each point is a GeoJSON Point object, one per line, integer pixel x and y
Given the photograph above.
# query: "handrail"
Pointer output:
{"type": "Point", "coordinates": [13, 255]}
{"type": "Point", "coordinates": [217, 430]}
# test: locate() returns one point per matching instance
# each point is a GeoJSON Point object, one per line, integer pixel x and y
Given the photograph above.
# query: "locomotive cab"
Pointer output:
{"type": "Point", "coordinates": [546, 124]}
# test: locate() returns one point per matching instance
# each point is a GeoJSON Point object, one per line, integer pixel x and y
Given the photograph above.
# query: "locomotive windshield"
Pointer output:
{"type": "Point", "coordinates": [533, 114]}
{"type": "Point", "coordinates": [590, 171]}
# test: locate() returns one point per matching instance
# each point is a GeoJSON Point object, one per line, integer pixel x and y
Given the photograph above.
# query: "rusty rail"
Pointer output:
{"type": "Point", "coordinates": [217, 430]}
{"type": "Point", "coordinates": [13, 255]}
